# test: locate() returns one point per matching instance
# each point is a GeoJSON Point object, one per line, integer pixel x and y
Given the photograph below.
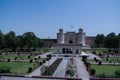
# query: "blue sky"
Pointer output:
{"type": "Point", "coordinates": [45, 17]}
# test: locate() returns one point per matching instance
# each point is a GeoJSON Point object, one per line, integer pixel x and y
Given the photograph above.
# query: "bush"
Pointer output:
{"type": "Point", "coordinates": [29, 69]}
{"type": "Point", "coordinates": [49, 56]}
{"type": "Point", "coordinates": [5, 69]}
{"type": "Point", "coordinates": [94, 52]}
{"type": "Point", "coordinates": [92, 72]}
{"type": "Point", "coordinates": [100, 54]}
{"type": "Point", "coordinates": [35, 59]}
{"type": "Point", "coordinates": [99, 63]}
{"type": "Point", "coordinates": [43, 61]}
{"type": "Point", "coordinates": [15, 58]}
{"type": "Point", "coordinates": [102, 75]}
{"type": "Point", "coordinates": [117, 73]}
{"type": "Point", "coordinates": [9, 60]}
{"type": "Point", "coordinates": [29, 57]}
{"type": "Point", "coordinates": [31, 60]}
{"type": "Point", "coordinates": [107, 59]}
{"type": "Point", "coordinates": [39, 57]}
{"type": "Point", "coordinates": [95, 58]}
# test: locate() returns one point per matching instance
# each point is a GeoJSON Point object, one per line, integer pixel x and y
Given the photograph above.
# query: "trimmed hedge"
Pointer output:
{"type": "Point", "coordinates": [51, 69]}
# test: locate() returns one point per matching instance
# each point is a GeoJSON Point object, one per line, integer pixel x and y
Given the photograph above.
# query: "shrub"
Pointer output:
{"type": "Point", "coordinates": [39, 57]}
{"type": "Point", "coordinates": [31, 60]}
{"type": "Point", "coordinates": [99, 63]}
{"type": "Point", "coordinates": [29, 57]}
{"type": "Point", "coordinates": [100, 54]}
{"type": "Point", "coordinates": [15, 58]}
{"type": "Point", "coordinates": [94, 52]}
{"type": "Point", "coordinates": [29, 69]}
{"type": "Point", "coordinates": [102, 75]}
{"type": "Point", "coordinates": [9, 60]}
{"type": "Point", "coordinates": [5, 69]}
{"type": "Point", "coordinates": [49, 56]}
{"type": "Point", "coordinates": [107, 59]}
{"type": "Point", "coordinates": [43, 61]}
{"type": "Point", "coordinates": [95, 58]}
{"type": "Point", "coordinates": [92, 72]}
{"type": "Point", "coordinates": [117, 73]}
{"type": "Point", "coordinates": [35, 59]}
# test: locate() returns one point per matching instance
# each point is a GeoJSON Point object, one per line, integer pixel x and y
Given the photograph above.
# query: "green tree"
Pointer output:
{"type": "Point", "coordinates": [99, 39]}
{"type": "Point", "coordinates": [112, 41]}
{"type": "Point", "coordinates": [1, 40]}
{"type": "Point", "coordinates": [10, 40]}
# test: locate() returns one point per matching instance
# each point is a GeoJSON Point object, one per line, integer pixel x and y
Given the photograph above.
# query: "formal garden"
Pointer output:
{"type": "Point", "coordinates": [106, 67]}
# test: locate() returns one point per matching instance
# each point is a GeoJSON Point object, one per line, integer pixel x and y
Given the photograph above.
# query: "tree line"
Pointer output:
{"type": "Point", "coordinates": [111, 41]}
{"type": "Point", "coordinates": [14, 42]}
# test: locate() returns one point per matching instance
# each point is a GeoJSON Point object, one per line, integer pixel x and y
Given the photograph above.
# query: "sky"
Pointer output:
{"type": "Point", "coordinates": [46, 17]}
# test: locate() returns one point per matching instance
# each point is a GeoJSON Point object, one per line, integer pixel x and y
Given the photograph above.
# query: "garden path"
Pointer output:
{"type": "Point", "coordinates": [37, 72]}
{"type": "Point", "coordinates": [81, 70]}
{"type": "Point", "coordinates": [91, 56]}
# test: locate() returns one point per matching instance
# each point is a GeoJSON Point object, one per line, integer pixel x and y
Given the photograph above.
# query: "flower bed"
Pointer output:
{"type": "Point", "coordinates": [71, 68]}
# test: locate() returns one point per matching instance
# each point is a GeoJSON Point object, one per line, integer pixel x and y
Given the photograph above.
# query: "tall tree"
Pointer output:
{"type": "Point", "coordinates": [1, 40]}
{"type": "Point", "coordinates": [10, 40]}
{"type": "Point", "coordinates": [112, 41]}
{"type": "Point", "coordinates": [99, 39]}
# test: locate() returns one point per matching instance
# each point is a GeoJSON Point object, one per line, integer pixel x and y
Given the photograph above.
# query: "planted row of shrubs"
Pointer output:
{"type": "Point", "coordinates": [51, 69]}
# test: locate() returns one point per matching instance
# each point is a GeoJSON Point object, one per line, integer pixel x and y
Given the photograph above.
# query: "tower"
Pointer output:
{"type": "Point", "coordinates": [60, 37]}
{"type": "Point", "coordinates": [81, 37]}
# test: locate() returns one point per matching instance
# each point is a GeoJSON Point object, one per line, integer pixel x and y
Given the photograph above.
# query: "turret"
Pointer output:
{"type": "Point", "coordinates": [60, 36]}
{"type": "Point", "coordinates": [81, 37]}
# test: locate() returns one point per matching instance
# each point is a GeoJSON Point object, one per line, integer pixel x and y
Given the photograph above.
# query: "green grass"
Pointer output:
{"type": "Point", "coordinates": [19, 57]}
{"type": "Point", "coordinates": [108, 70]}
{"type": "Point", "coordinates": [96, 50]}
{"type": "Point", "coordinates": [17, 67]}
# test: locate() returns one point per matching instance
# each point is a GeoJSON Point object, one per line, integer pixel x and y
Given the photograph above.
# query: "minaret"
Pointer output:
{"type": "Point", "coordinates": [81, 37]}
{"type": "Point", "coordinates": [60, 37]}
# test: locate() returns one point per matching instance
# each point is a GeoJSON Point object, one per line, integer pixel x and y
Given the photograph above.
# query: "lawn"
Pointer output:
{"type": "Point", "coordinates": [96, 50]}
{"type": "Point", "coordinates": [19, 57]}
{"type": "Point", "coordinates": [108, 70]}
{"type": "Point", "coordinates": [17, 67]}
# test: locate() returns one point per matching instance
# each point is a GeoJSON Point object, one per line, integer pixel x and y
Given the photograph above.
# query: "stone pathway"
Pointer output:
{"type": "Point", "coordinates": [91, 56]}
{"type": "Point", "coordinates": [61, 69]}
{"type": "Point", "coordinates": [42, 55]}
{"type": "Point", "coordinates": [23, 78]}
{"type": "Point", "coordinates": [81, 70]}
{"type": "Point", "coordinates": [37, 72]}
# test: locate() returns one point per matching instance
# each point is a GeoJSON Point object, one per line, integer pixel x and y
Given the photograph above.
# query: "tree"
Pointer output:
{"type": "Point", "coordinates": [1, 40]}
{"type": "Point", "coordinates": [10, 40]}
{"type": "Point", "coordinates": [99, 39]}
{"type": "Point", "coordinates": [112, 41]}
{"type": "Point", "coordinates": [117, 73]}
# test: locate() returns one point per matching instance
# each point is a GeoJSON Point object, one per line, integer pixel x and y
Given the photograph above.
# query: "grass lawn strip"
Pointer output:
{"type": "Point", "coordinates": [17, 67]}
{"type": "Point", "coordinates": [108, 70]}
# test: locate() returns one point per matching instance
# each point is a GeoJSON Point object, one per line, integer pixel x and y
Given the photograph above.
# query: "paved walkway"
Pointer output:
{"type": "Point", "coordinates": [81, 70]}
{"type": "Point", "coordinates": [23, 78]}
{"type": "Point", "coordinates": [61, 69]}
{"type": "Point", "coordinates": [43, 55]}
{"type": "Point", "coordinates": [91, 56]}
{"type": "Point", "coordinates": [37, 71]}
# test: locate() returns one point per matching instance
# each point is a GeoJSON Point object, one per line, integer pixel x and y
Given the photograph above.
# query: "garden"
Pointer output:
{"type": "Point", "coordinates": [106, 71]}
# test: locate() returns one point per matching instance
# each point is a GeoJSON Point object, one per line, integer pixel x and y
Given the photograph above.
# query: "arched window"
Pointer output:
{"type": "Point", "coordinates": [63, 50]}
{"type": "Point", "coordinates": [70, 42]}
